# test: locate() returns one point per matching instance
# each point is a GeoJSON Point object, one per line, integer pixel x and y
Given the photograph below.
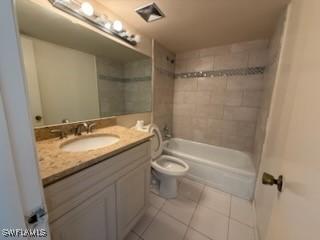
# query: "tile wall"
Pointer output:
{"type": "Point", "coordinates": [222, 109]}
{"type": "Point", "coordinates": [137, 87]}
{"type": "Point", "coordinates": [123, 87]}
{"type": "Point", "coordinates": [269, 79]}
{"type": "Point", "coordinates": [163, 84]}
{"type": "Point", "coordinates": [110, 87]}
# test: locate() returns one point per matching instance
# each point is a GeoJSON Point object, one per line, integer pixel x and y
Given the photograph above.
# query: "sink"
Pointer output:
{"type": "Point", "coordinates": [87, 143]}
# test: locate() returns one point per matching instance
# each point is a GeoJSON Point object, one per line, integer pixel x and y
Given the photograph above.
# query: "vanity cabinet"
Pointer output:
{"type": "Point", "coordinates": [103, 201]}
{"type": "Point", "coordinates": [132, 199]}
{"type": "Point", "coordinates": [93, 219]}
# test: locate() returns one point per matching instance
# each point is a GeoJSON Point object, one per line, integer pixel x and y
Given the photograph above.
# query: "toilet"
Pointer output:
{"type": "Point", "coordinates": [167, 168]}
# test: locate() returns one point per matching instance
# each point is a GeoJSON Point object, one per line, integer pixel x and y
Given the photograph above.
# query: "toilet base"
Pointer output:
{"type": "Point", "coordinates": [168, 186]}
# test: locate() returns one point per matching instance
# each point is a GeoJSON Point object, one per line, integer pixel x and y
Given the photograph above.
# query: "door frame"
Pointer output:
{"type": "Point", "coordinates": [18, 151]}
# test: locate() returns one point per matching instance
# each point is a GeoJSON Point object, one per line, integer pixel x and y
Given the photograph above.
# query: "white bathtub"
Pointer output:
{"type": "Point", "coordinates": [226, 169]}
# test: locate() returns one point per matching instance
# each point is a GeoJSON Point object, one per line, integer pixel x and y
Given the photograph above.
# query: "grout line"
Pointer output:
{"type": "Point", "coordinates": [152, 220]}
{"type": "Point", "coordinates": [201, 233]}
{"type": "Point", "coordinates": [236, 220]}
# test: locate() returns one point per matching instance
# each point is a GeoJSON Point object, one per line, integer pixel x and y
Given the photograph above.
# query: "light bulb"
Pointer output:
{"type": "Point", "coordinates": [108, 25]}
{"type": "Point", "coordinates": [117, 25]}
{"type": "Point", "coordinates": [87, 8]}
{"type": "Point", "coordinates": [137, 38]}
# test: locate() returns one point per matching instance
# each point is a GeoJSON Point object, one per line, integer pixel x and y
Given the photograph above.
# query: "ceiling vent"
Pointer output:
{"type": "Point", "coordinates": [150, 12]}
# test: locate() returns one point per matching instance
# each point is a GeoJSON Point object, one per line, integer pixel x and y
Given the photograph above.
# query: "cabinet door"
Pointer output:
{"type": "Point", "coordinates": [132, 198]}
{"type": "Point", "coordinates": [93, 219]}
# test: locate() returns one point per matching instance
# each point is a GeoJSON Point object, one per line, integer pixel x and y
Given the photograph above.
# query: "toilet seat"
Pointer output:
{"type": "Point", "coordinates": [169, 165]}
{"type": "Point", "coordinates": [164, 164]}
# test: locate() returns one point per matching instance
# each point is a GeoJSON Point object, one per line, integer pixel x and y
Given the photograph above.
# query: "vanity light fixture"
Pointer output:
{"type": "Point", "coordinates": [87, 9]}
{"type": "Point", "coordinates": [117, 25]}
{"type": "Point", "coordinates": [84, 11]}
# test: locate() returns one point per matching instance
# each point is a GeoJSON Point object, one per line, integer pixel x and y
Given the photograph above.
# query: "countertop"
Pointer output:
{"type": "Point", "coordinates": [56, 164]}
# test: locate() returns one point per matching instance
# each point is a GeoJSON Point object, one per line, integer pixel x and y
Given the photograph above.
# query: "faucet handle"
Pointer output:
{"type": "Point", "coordinates": [62, 133]}
{"type": "Point", "coordinates": [90, 127]}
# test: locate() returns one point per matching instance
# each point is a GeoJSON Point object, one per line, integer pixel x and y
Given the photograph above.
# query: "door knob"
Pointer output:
{"type": "Point", "coordinates": [268, 179]}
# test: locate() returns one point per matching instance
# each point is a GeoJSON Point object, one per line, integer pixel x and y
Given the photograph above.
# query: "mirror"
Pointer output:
{"type": "Point", "coordinates": [74, 73]}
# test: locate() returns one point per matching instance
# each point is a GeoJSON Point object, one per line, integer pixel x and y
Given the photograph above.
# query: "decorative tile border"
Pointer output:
{"type": "Point", "coordinates": [223, 72]}
{"type": "Point", "coordinates": [119, 79]}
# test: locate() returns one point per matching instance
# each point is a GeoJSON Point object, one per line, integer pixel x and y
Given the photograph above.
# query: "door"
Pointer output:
{"type": "Point", "coordinates": [93, 219]}
{"type": "Point", "coordinates": [292, 146]}
{"type": "Point", "coordinates": [20, 178]}
{"type": "Point", "coordinates": [132, 198]}
{"type": "Point", "coordinates": [32, 80]}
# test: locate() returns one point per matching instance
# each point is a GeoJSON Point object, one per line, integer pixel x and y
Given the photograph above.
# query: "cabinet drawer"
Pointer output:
{"type": "Point", "coordinates": [71, 191]}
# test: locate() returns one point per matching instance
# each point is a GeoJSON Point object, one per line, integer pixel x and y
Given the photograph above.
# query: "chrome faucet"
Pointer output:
{"type": "Point", "coordinates": [90, 127]}
{"type": "Point", "coordinates": [79, 127]}
{"type": "Point", "coordinates": [62, 134]}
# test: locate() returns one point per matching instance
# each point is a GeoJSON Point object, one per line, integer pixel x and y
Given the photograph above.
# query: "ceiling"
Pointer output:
{"type": "Point", "coordinates": [38, 22]}
{"type": "Point", "coordinates": [194, 24]}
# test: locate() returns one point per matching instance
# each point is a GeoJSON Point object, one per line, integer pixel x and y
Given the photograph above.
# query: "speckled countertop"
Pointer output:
{"type": "Point", "coordinates": [56, 164]}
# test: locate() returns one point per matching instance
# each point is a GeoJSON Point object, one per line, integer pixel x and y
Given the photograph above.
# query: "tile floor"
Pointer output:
{"type": "Point", "coordinates": [198, 213]}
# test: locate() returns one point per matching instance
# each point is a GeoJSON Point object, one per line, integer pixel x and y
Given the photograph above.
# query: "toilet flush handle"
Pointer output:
{"type": "Point", "coordinates": [268, 179]}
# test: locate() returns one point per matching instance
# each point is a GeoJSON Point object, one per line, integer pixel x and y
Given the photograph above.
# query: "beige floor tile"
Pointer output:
{"type": "Point", "coordinates": [190, 189]}
{"type": "Point", "coordinates": [216, 200]}
{"type": "Point", "coordinates": [242, 211]}
{"type": "Point", "coordinates": [194, 235]}
{"type": "Point", "coordinates": [180, 208]}
{"type": "Point", "coordinates": [238, 231]}
{"type": "Point", "coordinates": [165, 227]}
{"type": "Point", "coordinates": [145, 221]}
{"type": "Point", "coordinates": [210, 223]}
{"type": "Point", "coordinates": [132, 236]}
{"type": "Point", "coordinates": [156, 201]}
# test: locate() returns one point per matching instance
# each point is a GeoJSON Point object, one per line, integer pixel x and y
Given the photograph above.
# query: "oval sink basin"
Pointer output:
{"type": "Point", "coordinates": [89, 143]}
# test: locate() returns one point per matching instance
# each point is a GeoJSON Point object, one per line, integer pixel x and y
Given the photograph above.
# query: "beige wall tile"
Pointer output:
{"type": "Point", "coordinates": [238, 128]}
{"type": "Point", "coordinates": [252, 98]}
{"type": "Point", "coordinates": [215, 51]}
{"type": "Point", "coordinates": [252, 82]}
{"type": "Point", "coordinates": [208, 84]}
{"type": "Point", "coordinates": [208, 110]}
{"type": "Point", "coordinates": [238, 142]}
{"type": "Point", "coordinates": [218, 96]}
{"type": "Point", "coordinates": [222, 110]}
{"type": "Point", "coordinates": [250, 46]}
{"type": "Point", "coordinates": [233, 97]}
{"type": "Point", "coordinates": [258, 58]}
{"type": "Point", "coordinates": [188, 55]}
{"type": "Point", "coordinates": [183, 109]}
{"type": "Point", "coordinates": [185, 84]}
{"type": "Point", "coordinates": [240, 114]}
{"type": "Point", "coordinates": [201, 64]}
{"type": "Point", "coordinates": [239, 60]}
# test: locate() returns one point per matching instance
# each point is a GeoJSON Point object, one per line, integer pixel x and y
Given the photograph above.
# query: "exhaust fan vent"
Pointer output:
{"type": "Point", "coordinates": [150, 12]}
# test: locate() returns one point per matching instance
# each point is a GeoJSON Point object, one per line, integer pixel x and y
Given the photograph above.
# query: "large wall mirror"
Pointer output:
{"type": "Point", "coordinates": [74, 73]}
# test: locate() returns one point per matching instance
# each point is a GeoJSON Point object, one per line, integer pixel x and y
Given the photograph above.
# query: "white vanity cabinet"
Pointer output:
{"type": "Point", "coordinates": [132, 198]}
{"type": "Point", "coordinates": [92, 219]}
{"type": "Point", "coordinates": [103, 201]}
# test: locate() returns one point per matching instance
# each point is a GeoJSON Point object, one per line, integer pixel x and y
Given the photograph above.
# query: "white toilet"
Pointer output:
{"type": "Point", "coordinates": [168, 168]}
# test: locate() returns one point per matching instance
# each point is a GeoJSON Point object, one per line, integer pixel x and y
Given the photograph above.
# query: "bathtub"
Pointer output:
{"type": "Point", "coordinates": [229, 170]}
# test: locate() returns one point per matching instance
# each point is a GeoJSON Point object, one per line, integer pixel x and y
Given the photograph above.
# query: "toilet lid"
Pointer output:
{"type": "Point", "coordinates": [156, 141]}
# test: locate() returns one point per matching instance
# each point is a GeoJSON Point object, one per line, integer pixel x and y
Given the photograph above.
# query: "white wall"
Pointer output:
{"type": "Point", "coordinates": [67, 81]}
